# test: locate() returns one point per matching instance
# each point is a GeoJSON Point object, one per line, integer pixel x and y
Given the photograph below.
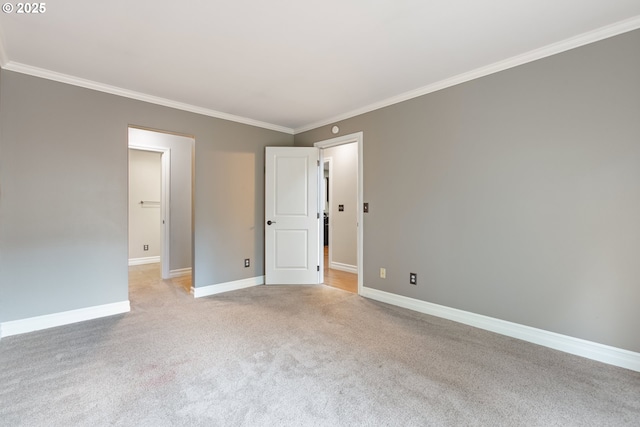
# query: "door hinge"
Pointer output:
{"type": "Point", "coordinates": [318, 215]}
{"type": "Point", "coordinates": [318, 161]}
{"type": "Point", "coordinates": [318, 268]}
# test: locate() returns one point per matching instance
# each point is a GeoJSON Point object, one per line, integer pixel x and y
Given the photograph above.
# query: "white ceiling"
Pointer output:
{"type": "Point", "coordinates": [294, 64]}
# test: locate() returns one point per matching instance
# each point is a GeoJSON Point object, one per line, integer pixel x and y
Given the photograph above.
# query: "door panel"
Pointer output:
{"type": "Point", "coordinates": [291, 186]}
{"type": "Point", "coordinates": [288, 245]}
{"type": "Point", "coordinates": [292, 225]}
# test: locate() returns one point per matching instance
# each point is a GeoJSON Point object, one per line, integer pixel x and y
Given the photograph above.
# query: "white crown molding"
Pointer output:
{"type": "Point", "coordinates": [588, 349]}
{"type": "Point", "coordinates": [114, 90]}
{"type": "Point", "coordinates": [203, 291]}
{"type": "Point", "coordinates": [37, 323]}
{"type": "Point", "coordinates": [546, 51]}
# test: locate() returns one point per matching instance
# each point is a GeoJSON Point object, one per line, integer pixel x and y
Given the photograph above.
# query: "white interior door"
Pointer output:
{"type": "Point", "coordinates": [292, 216]}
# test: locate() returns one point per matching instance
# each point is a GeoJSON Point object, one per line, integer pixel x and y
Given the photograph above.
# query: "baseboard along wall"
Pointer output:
{"type": "Point", "coordinates": [145, 260]}
{"type": "Point", "coordinates": [203, 291]}
{"type": "Point", "coordinates": [31, 324]}
{"type": "Point", "coordinates": [588, 349]}
{"type": "Point", "coordinates": [343, 267]}
{"type": "Point", "coordinates": [579, 347]}
{"type": "Point", "coordinates": [179, 272]}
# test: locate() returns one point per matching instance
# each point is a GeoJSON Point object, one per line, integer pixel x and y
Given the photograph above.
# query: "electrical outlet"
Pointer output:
{"type": "Point", "coordinates": [247, 262]}
{"type": "Point", "coordinates": [145, 247]}
{"type": "Point", "coordinates": [413, 278]}
{"type": "Point", "coordinates": [383, 273]}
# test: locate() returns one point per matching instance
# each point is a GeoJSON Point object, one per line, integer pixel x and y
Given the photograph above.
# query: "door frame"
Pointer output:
{"type": "Point", "coordinates": [329, 161]}
{"type": "Point", "coordinates": [357, 138]}
{"type": "Point", "coordinates": [165, 211]}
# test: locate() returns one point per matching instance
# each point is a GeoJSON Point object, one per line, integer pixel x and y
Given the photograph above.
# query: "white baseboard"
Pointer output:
{"type": "Point", "coordinates": [591, 350]}
{"type": "Point", "coordinates": [179, 272]}
{"type": "Point", "coordinates": [204, 291]}
{"type": "Point", "coordinates": [37, 323]}
{"type": "Point", "coordinates": [145, 260]}
{"type": "Point", "coordinates": [343, 267]}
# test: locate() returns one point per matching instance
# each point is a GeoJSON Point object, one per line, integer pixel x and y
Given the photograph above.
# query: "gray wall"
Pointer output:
{"type": "Point", "coordinates": [181, 177]}
{"type": "Point", "coordinates": [63, 194]}
{"type": "Point", "coordinates": [516, 195]}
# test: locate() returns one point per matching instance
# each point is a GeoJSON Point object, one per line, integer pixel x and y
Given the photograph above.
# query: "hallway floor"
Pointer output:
{"type": "Point", "coordinates": [337, 278]}
{"type": "Point", "coordinates": [150, 273]}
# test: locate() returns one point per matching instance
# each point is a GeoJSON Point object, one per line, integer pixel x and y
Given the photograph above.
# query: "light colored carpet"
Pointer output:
{"type": "Point", "coordinates": [297, 355]}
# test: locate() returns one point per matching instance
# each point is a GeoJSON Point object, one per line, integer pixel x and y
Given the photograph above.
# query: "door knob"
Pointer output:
{"type": "Point", "coordinates": [270, 222]}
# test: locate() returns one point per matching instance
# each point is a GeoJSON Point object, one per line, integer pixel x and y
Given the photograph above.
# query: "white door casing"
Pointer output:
{"type": "Point", "coordinates": [292, 220]}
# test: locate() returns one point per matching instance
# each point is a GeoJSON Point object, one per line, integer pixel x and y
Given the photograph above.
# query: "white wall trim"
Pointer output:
{"type": "Point", "coordinates": [37, 323]}
{"type": "Point", "coordinates": [543, 52]}
{"type": "Point", "coordinates": [343, 267]}
{"type": "Point", "coordinates": [602, 33]}
{"type": "Point", "coordinates": [204, 291]}
{"type": "Point", "coordinates": [144, 260]}
{"type": "Point", "coordinates": [114, 90]}
{"type": "Point", "coordinates": [180, 272]}
{"type": "Point", "coordinates": [588, 349]}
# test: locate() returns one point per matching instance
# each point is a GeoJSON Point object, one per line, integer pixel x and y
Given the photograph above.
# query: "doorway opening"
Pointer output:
{"type": "Point", "coordinates": [294, 196]}
{"type": "Point", "coordinates": [342, 213]}
{"type": "Point", "coordinates": [148, 210]}
{"type": "Point", "coordinates": [160, 207]}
